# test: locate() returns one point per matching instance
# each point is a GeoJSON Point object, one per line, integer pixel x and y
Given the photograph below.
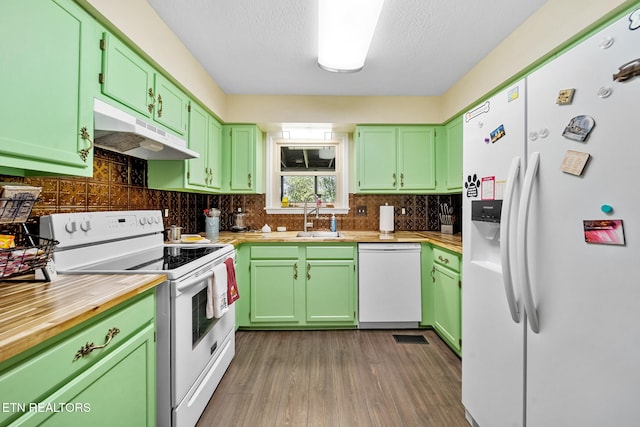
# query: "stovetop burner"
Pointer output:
{"type": "Point", "coordinates": [177, 256]}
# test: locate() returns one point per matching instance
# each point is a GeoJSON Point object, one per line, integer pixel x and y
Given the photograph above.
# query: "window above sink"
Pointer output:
{"type": "Point", "coordinates": [298, 168]}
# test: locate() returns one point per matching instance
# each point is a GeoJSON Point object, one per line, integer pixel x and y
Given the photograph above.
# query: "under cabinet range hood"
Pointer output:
{"type": "Point", "coordinates": [119, 131]}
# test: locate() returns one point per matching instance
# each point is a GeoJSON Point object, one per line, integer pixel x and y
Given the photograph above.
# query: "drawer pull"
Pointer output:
{"type": "Point", "coordinates": [443, 260]}
{"type": "Point", "coordinates": [89, 347]}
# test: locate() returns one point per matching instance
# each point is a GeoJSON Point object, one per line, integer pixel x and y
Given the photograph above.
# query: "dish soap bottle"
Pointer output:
{"type": "Point", "coordinates": [334, 223]}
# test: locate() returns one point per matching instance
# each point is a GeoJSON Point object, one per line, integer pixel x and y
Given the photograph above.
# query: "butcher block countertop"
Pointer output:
{"type": "Point", "coordinates": [452, 242]}
{"type": "Point", "coordinates": [32, 312]}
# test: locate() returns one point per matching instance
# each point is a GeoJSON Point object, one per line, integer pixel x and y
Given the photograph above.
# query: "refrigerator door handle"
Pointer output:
{"type": "Point", "coordinates": [523, 218]}
{"type": "Point", "coordinates": [505, 229]}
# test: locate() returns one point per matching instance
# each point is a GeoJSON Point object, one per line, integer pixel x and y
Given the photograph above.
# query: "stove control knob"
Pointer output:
{"type": "Point", "coordinates": [71, 227]}
{"type": "Point", "coordinates": [85, 226]}
{"type": "Point", "coordinates": [143, 221]}
{"type": "Point", "coordinates": [150, 220]}
{"type": "Point", "coordinates": [156, 220]}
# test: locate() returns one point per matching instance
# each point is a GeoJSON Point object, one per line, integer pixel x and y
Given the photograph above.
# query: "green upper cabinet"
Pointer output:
{"type": "Point", "coordinates": [214, 155]}
{"type": "Point", "coordinates": [243, 159]}
{"type": "Point", "coordinates": [47, 107]}
{"type": "Point", "coordinates": [395, 159]}
{"type": "Point", "coordinates": [202, 174]}
{"type": "Point", "coordinates": [416, 159]}
{"type": "Point", "coordinates": [171, 105]}
{"type": "Point", "coordinates": [454, 155]}
{"type": "Point", "coordinates": [133, 83]}
{"type": "Point", "coordinates": [376, 159]}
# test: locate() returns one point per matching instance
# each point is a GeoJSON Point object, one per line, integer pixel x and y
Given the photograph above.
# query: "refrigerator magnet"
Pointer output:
{"type": "Point", "coordinates": [472, 184]}
{"type": "Point", "coordinates": [488, 189]}
{"type": "Point", "coordinates": [579, 128]}
{"type": "Point", "coordinates": [513, 94]}
{"type": "Point", "coordinates": [574, 162]}
{"type": "Point", "coordinates": [634, 20]}
{"type": "Point", "coordinates": [604, 232]}
{"type": "Point", "coordinates": [627, 71]}
{"type": "Point", "coordinates": [484, 108]}
{"type": "Point", "coordinates": [565, 96]}
{"type": "Point", "coordinates": [497, 134]}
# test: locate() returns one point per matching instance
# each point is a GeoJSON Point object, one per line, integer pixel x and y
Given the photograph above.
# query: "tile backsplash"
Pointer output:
{"type": "Point", "coordinates": [119, 182]}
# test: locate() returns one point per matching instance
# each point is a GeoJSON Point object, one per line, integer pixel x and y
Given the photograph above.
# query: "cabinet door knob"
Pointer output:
{"type": "Point", "coordinates": [395, 181]}
{"type": "Point", "coordinates": [295, 271]}
{"type": "Point", "coordinates": [159, 106]}
{"type": "Point", "coordinates": [308, 270]}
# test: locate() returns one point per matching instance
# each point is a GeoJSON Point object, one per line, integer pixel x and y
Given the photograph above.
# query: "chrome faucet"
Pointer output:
{"type": "Point", "coordinates": [317, 209]}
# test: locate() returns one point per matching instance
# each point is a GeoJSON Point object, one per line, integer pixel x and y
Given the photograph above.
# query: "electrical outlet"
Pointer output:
{"type": "Point", "coordinates": [403, 211]}
{"type": "Point", "coordinates": [166, 213]}
{"type": "Point", "coordinates": [361, 210]}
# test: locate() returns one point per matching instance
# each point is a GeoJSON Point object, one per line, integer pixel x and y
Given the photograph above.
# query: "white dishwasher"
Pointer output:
{"type": "Point", "coordinates": [389, 289]}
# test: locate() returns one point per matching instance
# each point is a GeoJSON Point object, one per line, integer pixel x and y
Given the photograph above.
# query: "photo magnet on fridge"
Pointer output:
{"type": "Point", "coordinates": [605, 232]}
{"type": "Point", "coordinates": [565, 96]}
{"type": "Point", "coordinates": [579, 128]}
{"type": "Point", "coordinates": [497, 134]}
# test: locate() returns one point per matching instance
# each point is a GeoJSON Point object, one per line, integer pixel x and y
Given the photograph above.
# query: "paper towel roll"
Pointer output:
{"type": "Point", "coordinates": [386, 219]}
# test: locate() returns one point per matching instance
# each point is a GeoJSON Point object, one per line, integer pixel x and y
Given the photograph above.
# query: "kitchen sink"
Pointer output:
{"type": "Point", "coordinates": [321, 234]}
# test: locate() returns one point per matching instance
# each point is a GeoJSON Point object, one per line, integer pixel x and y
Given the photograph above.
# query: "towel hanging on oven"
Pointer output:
{"type": "Point", "coordinates": [217, 303]}
{"type": "Point", "coordinates": [232, 285]}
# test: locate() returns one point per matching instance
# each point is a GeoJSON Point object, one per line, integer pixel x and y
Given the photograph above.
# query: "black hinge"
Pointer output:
{"type": "Point", "coordinates": [101, 78]}
{"type": "Point", "coordinates": [435, 133]}
{"type": "Point", "coordinates": [188, 175]}
{"type": "Point", "coordinates": [460, 284]}
{"type": "Point", "coordinates": [103, 44]}
{"type": "Point", "coordinates": [460, 342]}
{"type": "Point", "coordinates": [189, 108]}
{"type": "Point", "coordinates": [154, 336]}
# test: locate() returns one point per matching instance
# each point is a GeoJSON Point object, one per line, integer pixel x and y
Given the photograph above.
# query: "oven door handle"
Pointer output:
{"type": "Point", "coordinates": [194, 281]}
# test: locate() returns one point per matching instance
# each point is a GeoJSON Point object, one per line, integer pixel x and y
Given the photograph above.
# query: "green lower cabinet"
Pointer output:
{"type": "Point", "coordinates": [298, 286]}
{"type": "Point", "coordinates": [47, 98]}
{"type": "Point", "coordinates": [441, 294]}
{"type": "Point", "coordinates": [276, 291]}
{"type": "Point", "coordinates": [447, 305]}
{"type": "Point", "coordinates": [104, 387]}
{"type": "Point", "coordinates": [426, 265]}
{"type": "Point", "coordinates": [330, 291]}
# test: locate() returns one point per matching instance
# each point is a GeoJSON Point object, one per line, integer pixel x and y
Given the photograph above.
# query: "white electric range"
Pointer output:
{"type": "Point", "coordinates": [193, 352]}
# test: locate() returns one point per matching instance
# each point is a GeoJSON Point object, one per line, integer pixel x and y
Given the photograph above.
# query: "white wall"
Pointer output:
{"type": "Point", "coordinates": [554, 24]}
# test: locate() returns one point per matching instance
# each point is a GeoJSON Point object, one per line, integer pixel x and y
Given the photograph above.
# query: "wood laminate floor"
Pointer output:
{"type": "Point", "coordinates": [338, 378]}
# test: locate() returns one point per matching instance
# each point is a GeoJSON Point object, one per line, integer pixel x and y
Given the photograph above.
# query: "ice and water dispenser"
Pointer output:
{"type": "Point", "coordinates": [486, 217]}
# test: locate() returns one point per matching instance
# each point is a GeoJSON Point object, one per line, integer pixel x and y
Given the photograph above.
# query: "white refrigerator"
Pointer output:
{"type": "Point", "coordinates": [551, 241]}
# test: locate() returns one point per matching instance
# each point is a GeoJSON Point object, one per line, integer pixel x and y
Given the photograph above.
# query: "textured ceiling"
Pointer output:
{"type": "Point", "coordinates": [269, 47]}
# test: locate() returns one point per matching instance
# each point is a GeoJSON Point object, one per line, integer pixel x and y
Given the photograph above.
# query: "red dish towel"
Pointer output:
{"type": "Point", "coordinates": [232, 285]}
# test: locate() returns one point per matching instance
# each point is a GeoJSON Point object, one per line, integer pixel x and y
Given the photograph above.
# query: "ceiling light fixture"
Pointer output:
{"type": "Point", "coordinates": [345, 31]}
